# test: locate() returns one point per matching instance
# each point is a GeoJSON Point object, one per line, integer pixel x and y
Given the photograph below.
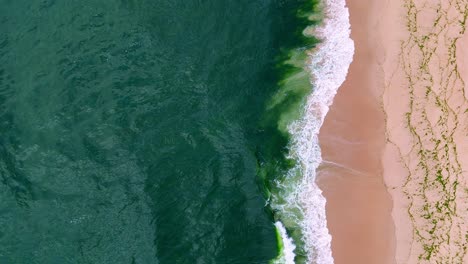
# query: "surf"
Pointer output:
{"type": "Point", "coordinates": [295, 199]}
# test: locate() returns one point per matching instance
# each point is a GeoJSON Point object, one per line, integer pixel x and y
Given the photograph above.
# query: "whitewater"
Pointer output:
{"type": "Point", "coordinates": [328, 65]}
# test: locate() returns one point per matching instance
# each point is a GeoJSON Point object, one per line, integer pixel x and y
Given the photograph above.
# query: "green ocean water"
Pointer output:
{"type": "Point", "coordinates": [139, 131]}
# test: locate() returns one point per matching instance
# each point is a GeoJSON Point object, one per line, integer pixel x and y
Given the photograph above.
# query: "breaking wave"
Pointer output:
{"type": "Point", "coordinates": [297, 199]}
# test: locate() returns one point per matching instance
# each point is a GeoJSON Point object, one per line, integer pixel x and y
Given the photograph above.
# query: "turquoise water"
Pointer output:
{"type": "Point", "coordinates": [143, 131]}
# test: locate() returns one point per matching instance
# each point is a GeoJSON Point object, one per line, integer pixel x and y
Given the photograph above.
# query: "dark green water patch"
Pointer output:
{"type": "Point", "coordinates": [134, 131]}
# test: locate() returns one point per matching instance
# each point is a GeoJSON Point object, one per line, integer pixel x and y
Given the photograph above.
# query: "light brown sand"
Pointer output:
{"type": "Point", "coordinates": [352, 139]}
{"type": "Point", "coordinates": [411, 60]}
{"type": "Point", "coordinates": [426, 155]}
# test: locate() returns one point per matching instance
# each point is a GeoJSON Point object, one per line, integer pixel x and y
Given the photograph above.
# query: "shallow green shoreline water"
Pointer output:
{"type": "Point", "coordinates": [145, 131]}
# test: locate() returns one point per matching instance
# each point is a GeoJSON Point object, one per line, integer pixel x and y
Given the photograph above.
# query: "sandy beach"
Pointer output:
{"type": "Point", "coordinates": [352, 139]}
{"type": "Point", "coordinates": [425, 160]}
{"type": "Point", "coordinates": [395, 142]}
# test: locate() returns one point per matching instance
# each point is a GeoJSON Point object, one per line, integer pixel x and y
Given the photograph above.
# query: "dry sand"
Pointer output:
{"type": "Point", "coordinates": [400, 123]}
{"type": "Point", "coordinates": [426, 155]}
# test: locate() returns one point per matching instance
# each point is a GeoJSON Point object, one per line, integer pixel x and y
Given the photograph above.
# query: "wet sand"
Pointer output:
{"type": "Point", "coordinates": [352, 139]}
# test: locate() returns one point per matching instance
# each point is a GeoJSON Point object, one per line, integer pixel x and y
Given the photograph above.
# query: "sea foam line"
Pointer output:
{"type": "Point", "coordinates": [288, 247]}
{"type": "Point", "coordinates": [328, 65]}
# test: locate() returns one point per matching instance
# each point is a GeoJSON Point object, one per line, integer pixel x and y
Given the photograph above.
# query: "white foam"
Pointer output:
{"type": "Point", "coordinates": [328, 65]}
{"type": "Point", "coordinates": [288, 245]}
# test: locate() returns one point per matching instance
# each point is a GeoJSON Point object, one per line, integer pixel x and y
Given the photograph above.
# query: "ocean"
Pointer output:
{"type": "Point", "coordinates": [166, 131]}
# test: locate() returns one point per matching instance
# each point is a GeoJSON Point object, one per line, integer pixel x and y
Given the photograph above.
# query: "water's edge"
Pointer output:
{"type": "Point", "coordinates": [295, 198]}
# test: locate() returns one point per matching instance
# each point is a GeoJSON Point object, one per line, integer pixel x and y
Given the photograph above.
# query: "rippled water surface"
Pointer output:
{"type": "Point", "coordinates": [129, 129]}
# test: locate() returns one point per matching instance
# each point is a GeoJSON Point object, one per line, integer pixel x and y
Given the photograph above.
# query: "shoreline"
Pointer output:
{"type": "Point", "coordinates": [296, 199]}
{"type": "Point", "coordinates": [352, 140]}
